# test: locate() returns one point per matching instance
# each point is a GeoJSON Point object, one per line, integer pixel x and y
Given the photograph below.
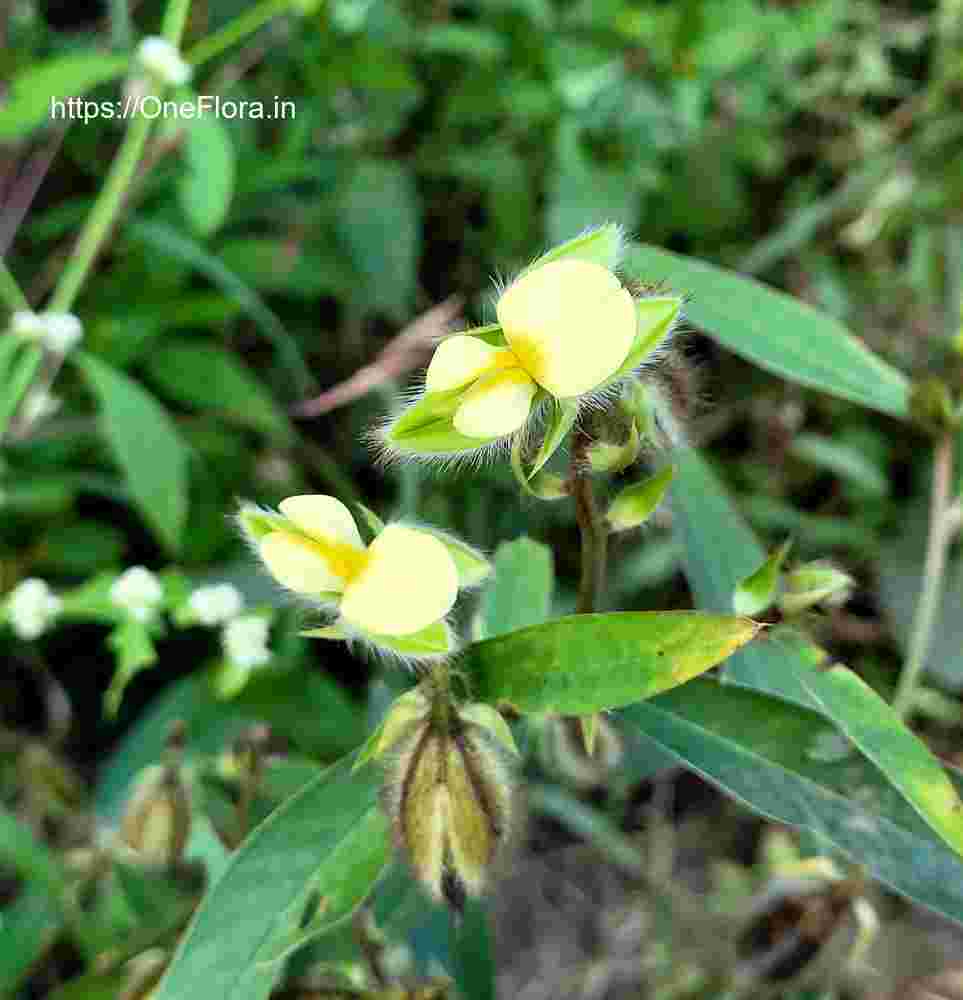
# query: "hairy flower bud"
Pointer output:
{"type": "Point", "coordinates": [157, 820]}
{"type": "Point", "coordinates": [448, 793]}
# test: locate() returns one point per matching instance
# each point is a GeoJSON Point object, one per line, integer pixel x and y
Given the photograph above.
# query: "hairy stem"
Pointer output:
{"type": "Point", "coordinates": [934, 568]}
{"type": "Point", "coordinates": [591, 525]}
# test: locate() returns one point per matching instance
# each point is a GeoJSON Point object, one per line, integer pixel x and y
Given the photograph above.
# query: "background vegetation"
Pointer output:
{"type": "Point", "coordinates": [253, 264]}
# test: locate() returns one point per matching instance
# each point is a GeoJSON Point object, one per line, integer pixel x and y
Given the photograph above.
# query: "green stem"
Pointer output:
{"type": "Point", "coordinates": [934, 569]}
{"type": "Point", "coordinates": [591, 526]}
{"type": "Point", "coordinates": [236, 30]}
{"type": "Point", "coordinates": [102, 215]}
{"type": "Point", "coordinates": [10, 293]}
{"type": "Point", "coordinates": [120, 27]}
{"type": "Point", "coordinates": [175, 20]}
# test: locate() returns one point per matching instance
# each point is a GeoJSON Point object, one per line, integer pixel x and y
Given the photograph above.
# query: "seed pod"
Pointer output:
{"type": "Point", "coordinates": [157, 820]}
{"type": "Point", "coordinates": [449, 797]}
{"type": "Point", "coordinates": [803, 926]}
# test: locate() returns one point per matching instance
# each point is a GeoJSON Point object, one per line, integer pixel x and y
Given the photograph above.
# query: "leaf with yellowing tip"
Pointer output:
{"type": "Point", "coordinates": [491, 719]}
{"type": "Point", "coordinates": [758, 590]}
{"type": "Point", "coordinates": [409, 582]}
{"type": "Point", "coordinates": [601, 245]}
{"type": "Point", "coordinates": [636, 503]}
{"type": "Point", "coordinates": [656, 317]}
{"type": "Point", "coordinates": [582, 664]}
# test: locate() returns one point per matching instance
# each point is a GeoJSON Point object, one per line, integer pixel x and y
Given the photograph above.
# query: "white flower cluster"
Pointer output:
{"type": "Point", "coordinates": [58, 332]}
{"type": "Point", "coordinates": [245, 641]}
{"type": "Point", "coordinates": [216, 604]}
{"type": "Point", "coordinates": [162, 60]}
{"type": "Point", "coordinates": [32, 608]}
{"type": "Point", "coordinates": [138, 592]}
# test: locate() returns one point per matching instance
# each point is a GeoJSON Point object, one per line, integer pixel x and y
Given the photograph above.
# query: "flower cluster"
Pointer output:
{"type": "Point", "coordinates": [163, 61]}
{"type": "Point", "coordinates": [32, 608]}
{"type": "Point", "coordinates": [138, 592]}
{"type": "Point", "coordinates": [58, 332]}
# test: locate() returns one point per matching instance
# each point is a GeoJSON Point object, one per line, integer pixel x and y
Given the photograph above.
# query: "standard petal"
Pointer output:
{"type": "Point", "coordinates": [322, 517]}
{"type": "Point", "coordinates": [497, 405]}
{"type": "Point", "coordinates": [570, 323]}
{"type": "Point", "coordinates": [409, 582]}
{"type": "Point", "coordinates": [457, 360]}
{"type": "Point", "coordinates": [299, 564]}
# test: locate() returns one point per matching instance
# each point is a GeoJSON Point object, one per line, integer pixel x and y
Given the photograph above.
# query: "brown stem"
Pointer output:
{"type": "Point", "coordinates": [591, 526]}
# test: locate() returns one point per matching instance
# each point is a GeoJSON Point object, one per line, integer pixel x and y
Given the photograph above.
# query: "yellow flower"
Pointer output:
{"type": "Point", "coordinates": [568, 326]}
{"type": "Point", "coordinates": [400, 584]}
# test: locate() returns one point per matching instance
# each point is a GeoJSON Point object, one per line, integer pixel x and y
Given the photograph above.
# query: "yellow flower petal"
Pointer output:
{"type": "Point", "coordinates": [570, 323]}
{"type": "Point", "coordinates": [497, 405]}
{"type": "Point", "coordinates": [323, 517]}
{"type": "Point", "coordinates": [408, 583]}
{"type": "Point", "coordinates": [299, 564]}
{"type": "Point", "coordinates": [457, 360]}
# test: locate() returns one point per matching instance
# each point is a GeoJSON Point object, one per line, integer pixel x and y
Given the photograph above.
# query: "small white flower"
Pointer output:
{"type": "Point", "coordinates": [138, 592]}
{"type": "Point", "coordinates": [32, 608]}
{"type": "Point", "coordinates": [39, 405]}
{"type": "Point", "coordinates": [59, 332]}
{"type": "Point", "coordinates": [161, 59]}
{"type": "Point", "coordinates": [216, 604]}
{"type": "Point", "coordinates": [245, 641]}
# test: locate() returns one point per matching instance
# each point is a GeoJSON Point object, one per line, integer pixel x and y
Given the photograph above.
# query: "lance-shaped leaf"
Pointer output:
{"type": "Point", "coordinates": [229, 951]}
{"type": "Point", "coordinates": [758, 590]}
{"type": "Point", "coordinates": [588, 663]}
{"type": "Point", "coordinates": [769, 755]}
{"type": "Point", "coordinates": [775, 331]}
{"type": "Point", "coordinates": [636, 503]}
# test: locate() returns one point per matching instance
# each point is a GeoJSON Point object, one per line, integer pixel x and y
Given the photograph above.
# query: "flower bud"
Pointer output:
{"type": "Point", "coordinates": [448, 793]}
{"type": "Point", "coordinates": [157, 820]}
{"type": "Point", "coordinates": [814, 583]}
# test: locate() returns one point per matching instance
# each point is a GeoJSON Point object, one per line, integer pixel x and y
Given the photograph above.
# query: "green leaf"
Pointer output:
{"type": "Point", "coordinates": [206, 376]}
{"type": "Point", "coordinates": [350, 870]}
{"type": "Point", "coordinates": [28, 103]}
{"type": "Point", "coordinates": [775, 331]}
{"type": "Point", "coordinates": [167, 241]}
{"type": "Point", "coordinates": [758, 590]}
{"type": "Point", "coordinates": [635, 504]}
{"type": "Point", "coordinates": [29, 925]}
{"type": "Point", "coordinates": [599, 245]}
{"type": "Point", "coordinates": [380, 224]}
{"type": "Point", "coordinates": [521, 593]}
{"type": "Point", "coordinates": [882, 737]}
{"type": "Point", "coordinates": [145, 444]}
{"type": "Point", "coordinates": [205, 187]}
{"type": "Point", "coordinates": [769, 755]}
{"type": "Point", "coordinates": [843, 460]}
{"type": "Point", "coordinates": [589, 663]}
{"type": "Point", "coordinates": [262, 893]}
{"type": "Point", "coordinates": [22, 371]}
